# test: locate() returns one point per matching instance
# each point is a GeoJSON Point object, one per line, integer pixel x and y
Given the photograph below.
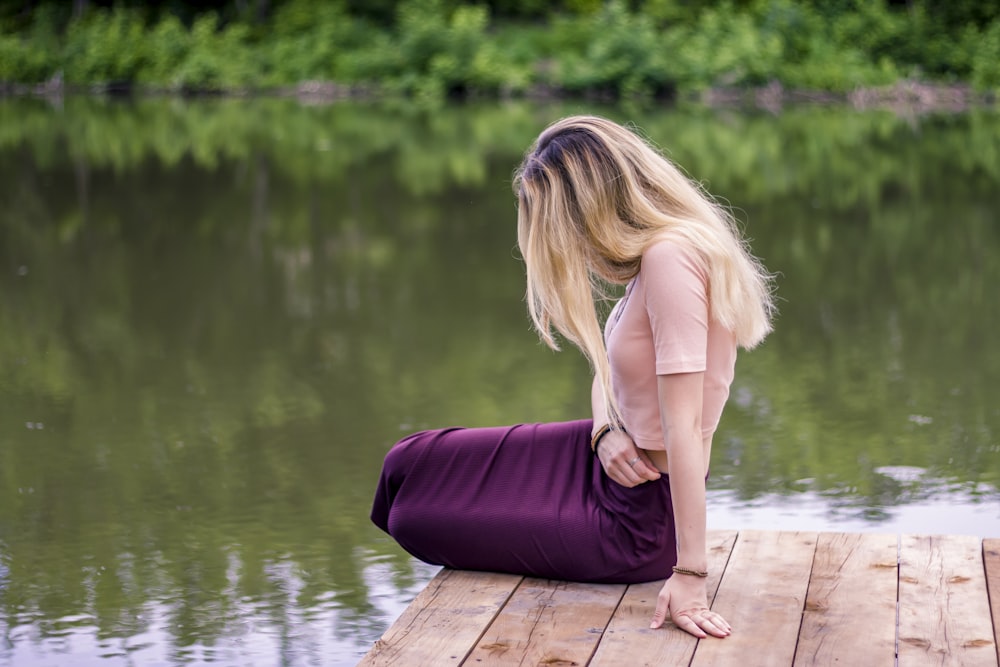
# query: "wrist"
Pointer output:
{"type": "Point", "coordinates": [598, 435]}
{"type": "Point", "coordinates": [698, 573]}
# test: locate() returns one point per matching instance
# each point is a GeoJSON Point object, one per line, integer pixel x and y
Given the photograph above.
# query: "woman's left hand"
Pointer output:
{"type": "Point", "coordinates": [623, 461]}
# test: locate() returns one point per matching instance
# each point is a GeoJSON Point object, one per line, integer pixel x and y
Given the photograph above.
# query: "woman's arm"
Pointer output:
{"type": "Point", "coordinates": [617, 449]}
{"type": "Point", "coordinates": [680, 417]}
{"type": "Point", "coordinates": [684, 596]}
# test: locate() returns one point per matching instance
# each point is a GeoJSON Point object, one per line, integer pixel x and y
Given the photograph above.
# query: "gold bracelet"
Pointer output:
{"type": "Point", "coordinates": [693, 573]}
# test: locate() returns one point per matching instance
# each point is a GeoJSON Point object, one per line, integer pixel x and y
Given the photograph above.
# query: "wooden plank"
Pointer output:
{"type": "Point", "coordinates": [991, 561]}
{"type": "Point", "coordinates": [761, 595]}
{"type": "Point", "coordinates": [548, 622]}
{"type": "Point", "coordinates": [944, 612]}
{"type": "Point", "coordinates": [850, 613]}
{"type": "Point", "coordinates": [628, 639]}
{"type": "Point", "coordinates": [444, 621]}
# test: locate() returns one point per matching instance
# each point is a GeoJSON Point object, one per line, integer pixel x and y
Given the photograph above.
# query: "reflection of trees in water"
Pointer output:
{"type": "Point", "coordinates": [223, 312]}
{"type": "Point", "coordinates": [882, 347]}
{"type": "Point", "coordinates": [817, 155]}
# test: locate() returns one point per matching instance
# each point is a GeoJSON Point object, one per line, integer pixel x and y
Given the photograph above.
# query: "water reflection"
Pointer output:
{"type": "Point", "coordinates": [925, 506]}
{"type": "Point", "coordinates": [283, 630]}
{"type": "Point", "coordinates": [218, 315]}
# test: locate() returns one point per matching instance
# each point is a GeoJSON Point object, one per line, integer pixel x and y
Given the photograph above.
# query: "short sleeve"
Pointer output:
{"type": "Point", "coordinates": [676, 297]}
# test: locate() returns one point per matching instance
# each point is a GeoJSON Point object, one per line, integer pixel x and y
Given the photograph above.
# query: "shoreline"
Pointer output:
{"type": "Point", "coordinates": [904, 96]}
{"type": "Point", "coordinates": [901, 97]}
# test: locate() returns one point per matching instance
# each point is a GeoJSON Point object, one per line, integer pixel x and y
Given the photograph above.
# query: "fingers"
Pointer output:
{"type": "Point", "coordinates": [689, 611]}
{"type": "Point", "coordinates": [636, 468]}
{"type": "Point", "coordinates": [625, 463]}
{"type": "Point", "coordinates": [702, 622]}
{"type": "Point", "coordinates": [644, 468]}
{"type": "Point", "coordinates": [621, 467]}
{"type": "Point", "coordinates": [714, 625]}
{"type": "Point", "coordinates": [686, 624]}
{"type": "Point", "coordinates": [628, 471]}
{"type": "Point", "coordinates": [617, 469]}
{"type": "Point", "coordinates": [660, 613]}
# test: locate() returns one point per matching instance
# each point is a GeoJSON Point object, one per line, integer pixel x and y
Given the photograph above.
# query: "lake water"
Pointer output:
{"type": "Point", "coordinates": [218, 315]}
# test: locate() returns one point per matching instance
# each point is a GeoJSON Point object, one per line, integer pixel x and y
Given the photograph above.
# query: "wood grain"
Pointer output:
{"type": "Point", "coordinates": [991, 563]}
{"type": "Point", "coordinates": [944, 613]}
{"type": "Point", "coordinates": [629, 640]}
{"type": "Point", "coordinates": [762, 595]}
{"type": "Point", "coordinates": [792, 598]}
{"type": "Point", "coordinates": [850, 612]}
{"type": "Point", "coordinates": [444, 621]}
{"type": "Point", "coordinates": [547, 623]}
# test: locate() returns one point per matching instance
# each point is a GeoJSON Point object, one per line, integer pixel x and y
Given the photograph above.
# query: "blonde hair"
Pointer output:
{"type": "Point", "coordinates": [592, 196]}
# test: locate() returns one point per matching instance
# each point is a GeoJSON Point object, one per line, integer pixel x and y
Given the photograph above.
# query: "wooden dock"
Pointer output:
{"type": "Point", "coordinates": [793, 598]}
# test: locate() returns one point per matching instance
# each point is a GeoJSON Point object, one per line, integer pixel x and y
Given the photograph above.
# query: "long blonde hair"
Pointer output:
{"type": "Point", "coordinates": [592, 196]}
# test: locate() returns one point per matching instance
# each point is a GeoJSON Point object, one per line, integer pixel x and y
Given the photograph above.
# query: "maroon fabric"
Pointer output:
{"type": "Point", "coordinates": [528, 499]}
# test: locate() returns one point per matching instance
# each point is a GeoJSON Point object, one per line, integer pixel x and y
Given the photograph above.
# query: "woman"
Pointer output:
{"type": "Point", "coordinates": [597, 205]}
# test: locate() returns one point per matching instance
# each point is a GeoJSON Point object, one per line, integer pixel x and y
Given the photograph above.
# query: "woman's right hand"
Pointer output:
{"type": "Point", "coordinates": [684, 600]}
{"type": "Point", "coordinates": [623, 461]}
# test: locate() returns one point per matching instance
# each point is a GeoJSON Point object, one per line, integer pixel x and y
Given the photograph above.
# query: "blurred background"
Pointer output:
{"type": "Point", "coordinates": [219, 312]}
{"type": "Point", "coordinates": [433, 49]}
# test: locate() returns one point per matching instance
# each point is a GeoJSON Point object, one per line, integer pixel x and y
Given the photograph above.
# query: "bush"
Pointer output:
{"type": "Point", "coordinates": [433, 49]}
{"type": "Point", "coordinates": [724, 48]}
{"type": "Point", "coordinates": [24, 61]}
{"type": "Point", "coordinates": [32, 56]}
{"type": "Point", "coordinates": [308, 41]}
{"type": "Point", "coordinates": [432, 54]}
{"type": "Point", "coordinates": [613, 52]}
{"type": "Point", "coordinates": [217, 59]}
{"type": "Point", "coordinates": [442, 51]}
{"type": "Point", "coordinates": [504, 64]}
{"type": "Point", "coordinates": [827, 66]}
{"type": "Point", "coordinates": [105, 46]}
{"type": "Point", "coordinates": [167, 46]}
{"type": "Point", "coordinates": [986, 59]}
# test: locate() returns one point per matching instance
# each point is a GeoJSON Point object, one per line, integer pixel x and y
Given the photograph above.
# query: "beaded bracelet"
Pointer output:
{"type": "Point", "coordinates": [693, 573]}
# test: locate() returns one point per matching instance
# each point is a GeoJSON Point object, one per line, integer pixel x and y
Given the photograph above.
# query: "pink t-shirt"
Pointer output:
{"type": "Point", "coordinates": [663, 325]}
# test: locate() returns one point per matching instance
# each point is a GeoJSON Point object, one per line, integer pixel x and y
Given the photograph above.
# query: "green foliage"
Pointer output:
{"type": "Point", "coordinates": [613, 51]}
{"type": "Point", "coordinates": [433, 53]}
{"type": "Point", "coordinates": [167, 46]}
{"type": "Point", "coordinates": [913, 42]}
{"type": "Point", "coordinates": [117, 46]}
{"type": "Point", "coordinates": [219, 59]}
{"type": "Point", "coordinates": [436, 50]}
{"type": "Point", "coordinates": [839, 70]}
{"type": "Point", "coordinates": [668, 12]}
{"type": "Point", "coordinates": [986, 59]}
{"type": "Point", "coordinates": [433, 49]}
{"type": "Point", "coordinates": [106, 45]}
{"type": "Point", "coordinates": [725, 48]}
{"type": "Point", "coordinates": [957, 14]}
{"type": "Point", "coordinates": [31, 55]}
{"type": "Point", "coordinates": [871, 28]}
{"type": "Point", "coordinates": [24, 61]}
{"type": "Point", "coordinates": [503, 66]}
{"type": "Point", "coordinates": [308, 40]}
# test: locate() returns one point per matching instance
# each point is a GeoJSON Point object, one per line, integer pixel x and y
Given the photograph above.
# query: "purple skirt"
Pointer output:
{"type": "Point", "coordinates": [528, 499]}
